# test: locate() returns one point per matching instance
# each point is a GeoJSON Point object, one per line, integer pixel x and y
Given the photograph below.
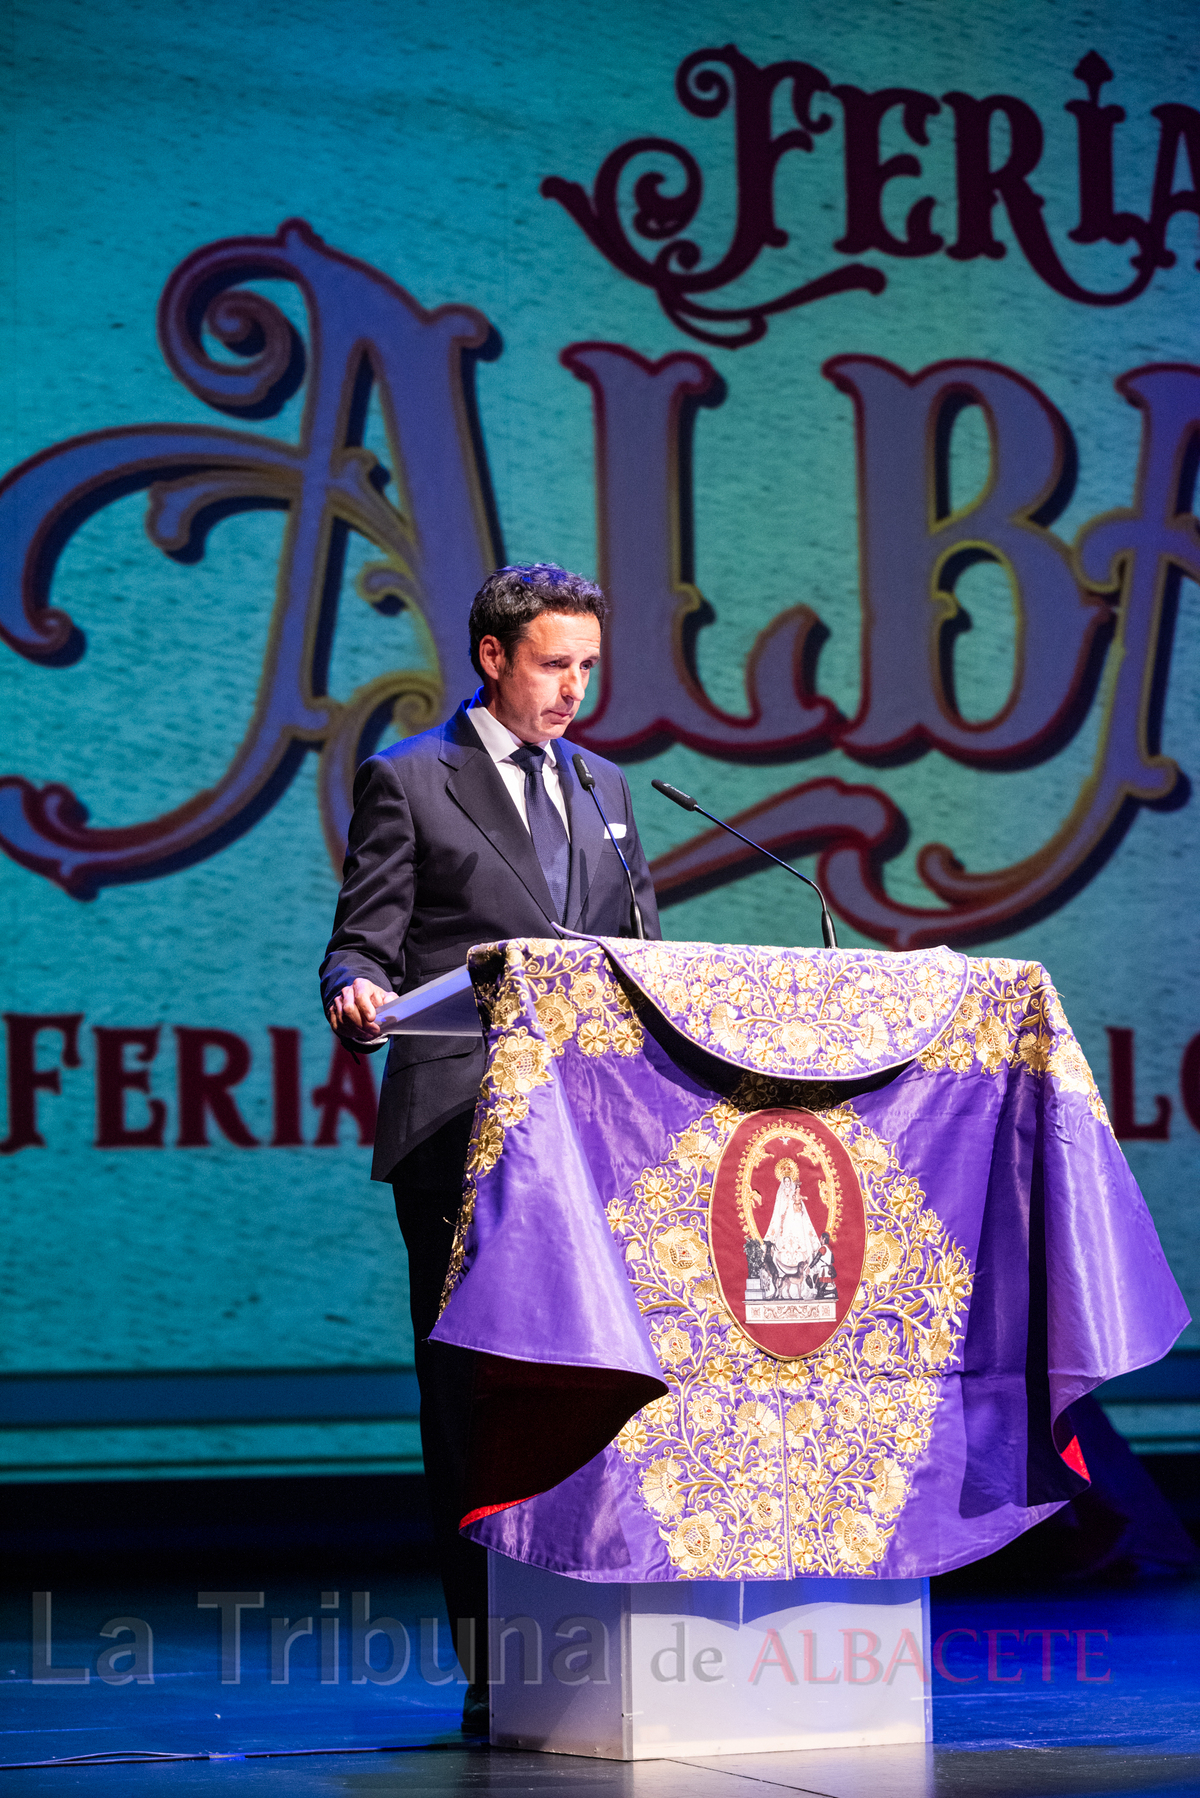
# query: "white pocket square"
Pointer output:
{"type": "Point", "coordinates": [615, 830]}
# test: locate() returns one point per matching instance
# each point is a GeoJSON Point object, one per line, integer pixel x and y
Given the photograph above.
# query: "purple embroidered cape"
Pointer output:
{"type": "Point", "coordinates": [627, 1426]}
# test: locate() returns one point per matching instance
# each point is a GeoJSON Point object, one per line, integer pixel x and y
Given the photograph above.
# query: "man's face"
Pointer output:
{"type": "Point", "coordinates": [539, 692]}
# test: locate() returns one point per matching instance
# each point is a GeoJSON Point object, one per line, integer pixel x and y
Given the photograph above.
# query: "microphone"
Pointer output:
{"type": "Point", "coordinates": [690, 805]}
{"type": "Point", "coordinates": [587, 781]}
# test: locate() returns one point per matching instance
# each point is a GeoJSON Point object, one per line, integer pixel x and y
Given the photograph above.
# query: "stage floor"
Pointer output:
{"type": "Point", "coordinates": [1119, 1712]}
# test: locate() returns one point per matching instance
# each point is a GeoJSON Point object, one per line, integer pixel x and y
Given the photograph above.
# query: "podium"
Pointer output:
{"type": "Point", "coordinates": [713, 1667]}
{"type": "Point", "coordinates": [782, 1269]}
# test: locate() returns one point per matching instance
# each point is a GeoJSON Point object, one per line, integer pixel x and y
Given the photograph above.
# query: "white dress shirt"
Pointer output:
{"type": "Point", "coordinates": [499, 743]}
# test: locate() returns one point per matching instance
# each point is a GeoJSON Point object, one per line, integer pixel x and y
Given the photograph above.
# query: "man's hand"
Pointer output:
{"type": "Point", "coordinates": [353, 1011]}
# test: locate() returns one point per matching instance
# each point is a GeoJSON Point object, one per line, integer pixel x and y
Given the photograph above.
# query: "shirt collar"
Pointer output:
{"type": "Point", "coordinates": [496, 738]}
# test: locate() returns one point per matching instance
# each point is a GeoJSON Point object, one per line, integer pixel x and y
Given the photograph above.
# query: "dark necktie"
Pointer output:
{"type": "Point", "coordinates": [546, 827]}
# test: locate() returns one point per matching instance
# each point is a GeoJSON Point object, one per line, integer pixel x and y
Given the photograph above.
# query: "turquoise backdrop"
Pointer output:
{"type": "Point", "coordinates": [414, 140]}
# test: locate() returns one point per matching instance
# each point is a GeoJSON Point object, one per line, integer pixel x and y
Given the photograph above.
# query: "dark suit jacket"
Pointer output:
{"type": "Point", "coordinates": [439, 860]}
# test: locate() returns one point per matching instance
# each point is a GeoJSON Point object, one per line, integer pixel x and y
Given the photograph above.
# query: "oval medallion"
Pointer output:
{"type": "Point", "coordinates": [787, 1230]}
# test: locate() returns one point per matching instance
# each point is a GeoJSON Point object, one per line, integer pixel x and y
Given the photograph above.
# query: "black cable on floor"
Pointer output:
{"type": "Point", "coordinates": [134, 1757]}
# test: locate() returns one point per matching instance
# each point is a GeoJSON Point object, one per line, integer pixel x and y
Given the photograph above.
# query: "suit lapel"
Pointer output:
{"type": "Point", "coordinates": [478, 790]}
{"type": "Point", "coordinates": [587, 835]}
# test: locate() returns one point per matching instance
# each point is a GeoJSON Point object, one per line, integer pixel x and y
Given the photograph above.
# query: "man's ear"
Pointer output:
{"type": "Point", "coordinates": [492, 657]}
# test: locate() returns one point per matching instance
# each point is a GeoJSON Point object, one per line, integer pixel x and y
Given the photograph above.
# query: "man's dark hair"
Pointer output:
{"type": "Point", "coordinates": [511, 598]}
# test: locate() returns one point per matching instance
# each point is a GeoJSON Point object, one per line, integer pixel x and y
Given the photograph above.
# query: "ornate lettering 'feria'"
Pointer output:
{"type": "Point", "coordinates": [1094, 619]}
{"type": "Point", "coordinates": [708, 81]}
{"type": "Point", "coordinates": [435, 541]}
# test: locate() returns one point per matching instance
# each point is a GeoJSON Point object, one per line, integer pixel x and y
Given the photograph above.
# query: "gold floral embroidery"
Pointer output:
{"type": "Point", "coordinates": [506, 1008]}
{"type": "Point", "coordinates": [695, 1149]}
{"type": "Point", "coordinates": [1011, 1016]}
{"type": "Point", "coordinates": [991, 1042]}
{"type": "Point", "coordinates": [883, 1401]}
{"type": "Point", "coordinates": [800, 1040]}
{"type": "Point", "coordinates": [593, 1037]}
{"type": "Point", "coordinates": [520, 984]}
{"type": "Point", "coordinates": [869, 1153]}
{"type": "Point", "coordinates": [1069, 1067]}
{"type": "Point", "coordinates": [694, 1547]}
{"type": "Point", "coordinates": [754, 1092]}
{"type": "Point", "coordinates": [557, 1017]}
{"type": "Point", "coordinates": [882, 1258]}
{"type": "Point", "coordinates": [706, 1412]}
{"type": "Point", "coordinates": [654, 1190]}
{"type": "Point", "coordinates": [518, 1064]}
{"type": "Point", "coordinates": [754, 1417]}
{"type": "Point", "coordinates": [660, 1413]}
{"type": "Point", "coordinates": [766, 1510]}
{"type": "Point", "coordinates": [725, 1028]}
{"type": "Point", "coordinates": [662, 1486]}
{"type": "Point", "coordinates": [486, 1146]}
{"type": "Point", "coordinates": [858, 1542]}
{"type": "Point", "coordinates": [631, 1440]}
{"type": "Point", "coordinates": [706, 1292]}
{"type": "Point", "coordinates": [800, 1014]}
{"type": "Point", "coordinates": [782, 1467]}
{"type": "Point", "coordinates": [756, 1468]}
{"type": "Point", "coordinates": [760, 1376]}
{"type": "Point", "coordinates": [970, 1011]}
{"type": "Point", "coordinates": [937, 1343]}
{"type": "Point", "coordinates": [541, 996]}
{"type": "Point", "coordinates": [674, 1346]}
{"type": "Point", "coordinates": [587, 991]}
{"type": "Point", "coordinates": [681, 1251]}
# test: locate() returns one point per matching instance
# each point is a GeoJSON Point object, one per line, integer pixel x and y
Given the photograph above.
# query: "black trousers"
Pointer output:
{"type": "Point", "coordinates": [428, 1188]}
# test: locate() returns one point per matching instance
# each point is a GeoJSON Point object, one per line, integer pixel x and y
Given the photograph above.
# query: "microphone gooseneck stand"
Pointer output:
{"type": "Point", "coordinates": [587, 781]}
{"type": "Point", "coordinates": [691, 805]}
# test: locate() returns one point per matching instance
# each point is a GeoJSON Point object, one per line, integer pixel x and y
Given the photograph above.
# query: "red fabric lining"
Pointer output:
{"type": "Point", "coordinates": [490, 1510]}
{"type": "Point", "coordinates": [1073, 1456]}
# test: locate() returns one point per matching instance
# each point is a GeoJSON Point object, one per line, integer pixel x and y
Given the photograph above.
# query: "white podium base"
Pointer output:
{"type": "Point", "coordinates": [705, 1667]}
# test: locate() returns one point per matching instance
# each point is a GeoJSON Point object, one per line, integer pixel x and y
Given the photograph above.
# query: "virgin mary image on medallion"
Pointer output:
{"type": "Point", "coordinates": [794, 1262]}
{"type": "Point", "coordinates": [788, 1230]}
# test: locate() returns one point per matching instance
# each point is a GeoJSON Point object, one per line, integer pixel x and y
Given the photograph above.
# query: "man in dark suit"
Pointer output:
{"type": "Point", "coordinates": [472, 833]}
